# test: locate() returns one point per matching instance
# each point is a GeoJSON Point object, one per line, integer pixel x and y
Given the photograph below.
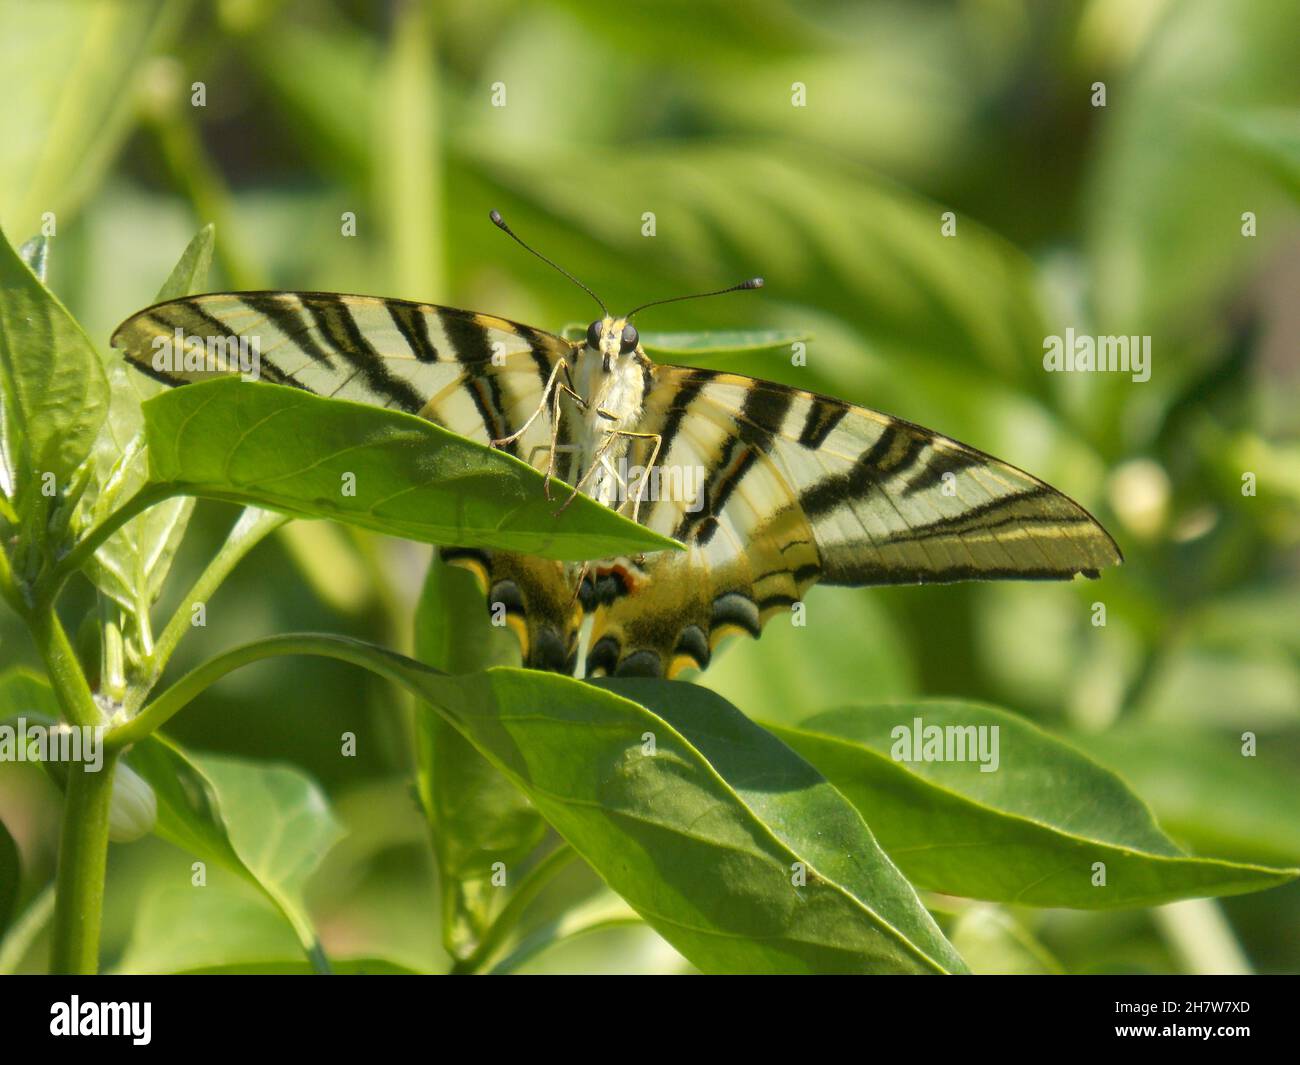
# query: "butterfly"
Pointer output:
{"type": "Point", "coordinates": [770, 488]}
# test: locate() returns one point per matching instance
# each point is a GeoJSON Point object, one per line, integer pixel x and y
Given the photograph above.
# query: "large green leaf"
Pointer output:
{"type": "Point", "coordinates": [732, 847]}
{"type": "Point", "coordinates": [132, 565]}
{"type": "Point", "coordinates": [477, 817]}
{"type": "Point", "coordinates": [286, 450]}
{"type": "Point", "coordinates": [1028, 832]}
{"type": "Point", "coordinates": [727, 843]}
{"type": "Point", "coordinates": [1206, 791]}
{"type": "Point", "coordinates": [53, 397]}
{"type": "Point", "coordinates": [270, 825]}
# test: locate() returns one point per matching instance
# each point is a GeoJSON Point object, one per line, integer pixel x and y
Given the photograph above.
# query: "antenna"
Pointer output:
{"type": "Point", "coordinates": [500, 223]}
{"type": "Point", "coordinates": [753, 282]}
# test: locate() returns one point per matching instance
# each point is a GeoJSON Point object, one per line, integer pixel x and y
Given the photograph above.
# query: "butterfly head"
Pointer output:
{"type": "Point", "coordinates": [611, 338]}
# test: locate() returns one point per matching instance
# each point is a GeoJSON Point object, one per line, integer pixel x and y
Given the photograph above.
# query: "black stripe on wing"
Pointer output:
{"type": "Point", "coordinates": [333, 320]}
{"type": "Point", "coordinates": [472, 346]}
{"type": "Point", "coordinates": [412, 322]}
{"type": "Point", "coordinates": [281, 313]}
{"type": "Point", "coordinates": [761, 417]}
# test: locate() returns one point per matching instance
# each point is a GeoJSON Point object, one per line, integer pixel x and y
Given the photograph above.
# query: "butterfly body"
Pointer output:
{"type": "Point", "coordinates": [610, 381]}
{"type": "Point", "coordinates": [770, 488]}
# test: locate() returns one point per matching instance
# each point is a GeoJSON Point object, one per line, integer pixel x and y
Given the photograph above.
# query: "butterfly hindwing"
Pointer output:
{"type": "Point", "coordinates": [533, 597]}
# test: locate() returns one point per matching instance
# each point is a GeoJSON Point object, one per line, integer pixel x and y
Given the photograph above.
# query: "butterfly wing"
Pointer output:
{"type": "Point", "coordinates": [479, 376]}
{"type": "Point", "coordinates": [797, 488]}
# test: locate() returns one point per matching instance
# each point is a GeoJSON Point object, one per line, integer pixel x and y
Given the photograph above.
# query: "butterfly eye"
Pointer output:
{"type": "Point", "coordinates": [629, 338]}
{"type": "Point", "coordinates": [594, 332]}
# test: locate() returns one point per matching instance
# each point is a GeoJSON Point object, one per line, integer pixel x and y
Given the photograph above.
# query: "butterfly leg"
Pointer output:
{"type": "Point", "coordinates": [560, 364]}
{"type": "Point", "coordinates": [654, 457]}
{"type": "Point", "coordinates": [577, 584]}
{"type": "Point", "coordinates": [555, 432]}
{"type": "Point", "coordinates": [595, 465]}
{"type": "Point", "coordinates": [599, 456]}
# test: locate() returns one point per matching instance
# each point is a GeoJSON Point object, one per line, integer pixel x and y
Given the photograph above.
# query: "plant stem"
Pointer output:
{"type": "Point", "coordinates": [324, 645]}
{"type": "Point", "coordinates": [83, 840]}
{"type": "Point", "coordinates": [253, 526]}
{"type": "Point", "coordinates": [529, 888]}
{"type": "Point", "coordinates": [83, 857]}
{"type": "Point", "coordinates": [66, 676]}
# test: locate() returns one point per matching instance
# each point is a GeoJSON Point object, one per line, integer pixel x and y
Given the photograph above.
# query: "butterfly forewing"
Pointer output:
{"type": "Point", "coordinates": [477, 375]}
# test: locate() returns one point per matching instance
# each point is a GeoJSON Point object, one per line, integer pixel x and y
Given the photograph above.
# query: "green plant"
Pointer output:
{"type": "Point", "coordinates": [1122, 219]}
{"type": "Point", "coordinates": [747, 848]}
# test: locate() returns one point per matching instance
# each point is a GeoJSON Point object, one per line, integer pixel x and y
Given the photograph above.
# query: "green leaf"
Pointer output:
{"type": "Point", "coordinates": [10, 877]}
{"type": "Point", "coordinates": [1028, 832]}
{"type": "Point", "coordinates": [728, 844]}
{"type": "Point", "coordinates": [133, 564]}
{"type": "Point", "coordinates": [190, 274]}
{"type": "Point", "coordinates": [721, 343]}
{"type": "Point", "coordinates": [1205, 791]}
{"type": "Point", "coordinates": [476, 816]}
{"type": "Point", "coordinates": [270, 825]}
{"type": "Point", "coordinates": [53, 397]}
{"type": "Point", "coordinates": [710, 837]}
{"type": "Point", "coordinates": [181, 928]}
{"type": "Point", "coordinates": [286, 450]}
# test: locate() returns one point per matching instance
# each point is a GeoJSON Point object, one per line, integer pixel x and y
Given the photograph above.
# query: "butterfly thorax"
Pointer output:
{"type": "Point", "coordinates": [610, 380]}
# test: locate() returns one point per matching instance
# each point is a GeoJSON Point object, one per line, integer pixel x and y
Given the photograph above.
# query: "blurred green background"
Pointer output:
{"type": "Point", "coordinates": [1119, 219]}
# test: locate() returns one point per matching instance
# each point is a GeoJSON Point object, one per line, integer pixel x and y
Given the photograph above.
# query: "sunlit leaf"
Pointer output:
{"type": "Point", "coordinates": [54, 397]}
{"type": "Point", "coordinates": [270, 825]}
{"type": "Point", "coordinates": [1044, 826]}
{"type": "Point", "coordinates": [286, 450]}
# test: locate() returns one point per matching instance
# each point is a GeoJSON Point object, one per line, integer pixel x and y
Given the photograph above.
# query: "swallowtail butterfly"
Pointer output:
{"type": "Point", "coordinates": [793, 487]}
